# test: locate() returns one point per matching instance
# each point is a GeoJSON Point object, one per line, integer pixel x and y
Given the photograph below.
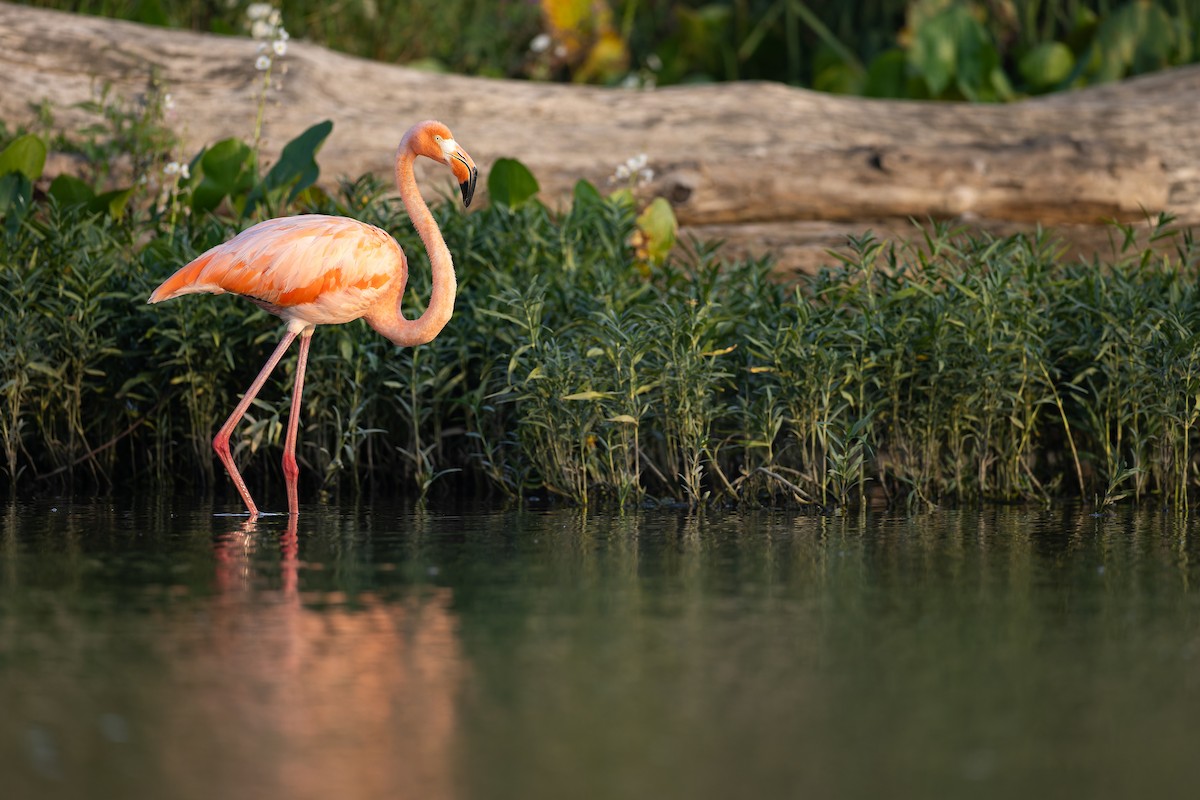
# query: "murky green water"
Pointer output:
{"type": "Point", "coordinates": [387, 653]}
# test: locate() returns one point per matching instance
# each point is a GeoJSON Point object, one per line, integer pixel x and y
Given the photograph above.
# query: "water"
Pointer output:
{"type": "Point", "coordinates": [397, 653]}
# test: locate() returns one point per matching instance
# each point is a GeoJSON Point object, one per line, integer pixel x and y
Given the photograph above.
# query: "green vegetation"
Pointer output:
{"type": "Point", "coordinates": [950, 49]}
{"type": "Point", "coordinates": [589, 359]}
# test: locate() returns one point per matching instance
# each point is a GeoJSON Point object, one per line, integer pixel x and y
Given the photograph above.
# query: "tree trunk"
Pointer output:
{"type": "Point", "coordinates": [767, 168]}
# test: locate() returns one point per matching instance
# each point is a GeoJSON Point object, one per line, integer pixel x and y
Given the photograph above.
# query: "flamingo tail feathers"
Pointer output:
{"type": "Point", "coordinates": [184, 281]}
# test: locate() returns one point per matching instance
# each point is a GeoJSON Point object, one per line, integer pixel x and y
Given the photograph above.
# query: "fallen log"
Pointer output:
{"type": "Point", "coordinates": [766, 167]}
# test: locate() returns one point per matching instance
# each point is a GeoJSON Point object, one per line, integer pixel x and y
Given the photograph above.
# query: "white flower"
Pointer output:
{"type": "Point", "coordinates": [280, 47]}
{"type": "Point", "coordinates": [654, 62]}
{"type": "Point", "coordinates": [263, 63]}
{"type": "Point", "coordinates": [282, 35]}
{"type": "Point", "coordinates": [541, 43]}
{"type": "Point", "coordinates": [275, 18]}
{"type": "Point", "coordinates": [634, 172]}
{"type": "Point", "coordinates": [261, 29]}
{"type": "Point", "coordinates": [257, 11]}
{"type": "Point", "coordinates": [172, 168]}
{"type": "Point", "coordinates": [184, 172]}
{"type": "Point", "coordinates": [168, 102]}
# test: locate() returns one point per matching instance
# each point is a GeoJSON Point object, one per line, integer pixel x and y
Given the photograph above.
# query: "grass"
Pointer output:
{"type": "Point", "coordinates": [953, 369]}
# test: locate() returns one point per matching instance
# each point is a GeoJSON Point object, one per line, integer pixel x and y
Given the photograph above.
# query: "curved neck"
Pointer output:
{"type": "Point", "coordinates": [391, 322]}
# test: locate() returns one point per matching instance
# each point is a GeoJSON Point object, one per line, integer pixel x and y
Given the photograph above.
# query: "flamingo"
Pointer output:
{"type": "Point", "coordinates": [315, 269]}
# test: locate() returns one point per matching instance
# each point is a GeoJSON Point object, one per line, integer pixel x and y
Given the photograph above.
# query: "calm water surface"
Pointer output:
{"type": "Point", "coordinates": [171, 652]}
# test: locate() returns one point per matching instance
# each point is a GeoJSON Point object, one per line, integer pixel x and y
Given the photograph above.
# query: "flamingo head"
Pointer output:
{"type": "Point", "coordinates": [434, 140]}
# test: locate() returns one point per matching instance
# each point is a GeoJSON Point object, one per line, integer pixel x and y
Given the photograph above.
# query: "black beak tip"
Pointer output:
{"type": "Point", "coordinates": [468, 188]}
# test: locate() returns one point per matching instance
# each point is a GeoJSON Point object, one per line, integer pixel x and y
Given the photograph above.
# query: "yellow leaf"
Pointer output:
{"type": "Point", "coordinates": [658, 227]}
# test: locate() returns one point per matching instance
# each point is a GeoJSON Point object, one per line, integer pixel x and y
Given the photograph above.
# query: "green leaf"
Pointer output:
{"type": "Point", "coordinates": [296, 168]}
{"type": "Point", "coordinates": [112, 203]}
{"type": "Point", "coordinates": [585, 194]}
{"type": "Point", "coordinates": [952, 48]}
{"type": "Point", "coordinates": [839, 78]}
{"type": "Point", "coordinates": [1137, 37]}
{"type": "Point", "coordinates": [315, 196]}
{"type": "Point", "coordinates": [623, 197]}
{"type": "Point", "coordinates": [510, 183]}
{"type": "Point", "coordinates": [588, 395]}
{"type": "Point", "coordinates": [1046, 65]}
{"type": "Point", "coordinates": [702, 34]}
{"type": "Point", "coordinates": [1000, 88]}
{"type": "Point", "coordinates": [45, 369]}
{"type": "Point", "coordinates": [1158, 42]}
{"type": "Point", "coordinates": [976, 55]}
{"type": "Point", "coordinates": [150, 12]}
{"type": "Point", "coordinates": [68, 190]}
{"type": "Point", "coordinates": [934, 52]}
{"type": "Point", "coordinates": [26, 155]}
{"type": "Point", "coordinates": [16, 196]}
{"type": "Point", "coordinates": [887, 76]}
{"type": "Point", "coordinates": [491, 312]}
{"type": "Point", "coordinates": [225, 170]}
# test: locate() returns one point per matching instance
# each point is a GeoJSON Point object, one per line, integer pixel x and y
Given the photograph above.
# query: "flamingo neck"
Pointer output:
{"type": "Point", "coordinates": [390, 321]}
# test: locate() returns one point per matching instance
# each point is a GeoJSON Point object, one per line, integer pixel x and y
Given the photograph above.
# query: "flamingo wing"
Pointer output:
{"type": "Point", "coordinates": [317, 268]}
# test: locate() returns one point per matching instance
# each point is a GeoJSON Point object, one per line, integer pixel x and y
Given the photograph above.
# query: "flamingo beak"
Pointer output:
{"type": "Point", "coordinates": [467, 183]}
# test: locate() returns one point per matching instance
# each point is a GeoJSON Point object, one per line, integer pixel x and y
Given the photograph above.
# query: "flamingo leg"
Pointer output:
{"type": "Point", "coordinates": [291, 470]}
{"type": "Point", "coordinates": [221, 440]}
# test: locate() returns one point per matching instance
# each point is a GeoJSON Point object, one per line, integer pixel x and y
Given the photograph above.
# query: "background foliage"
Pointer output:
{"type": "Point", "coordinates": [950, 49]}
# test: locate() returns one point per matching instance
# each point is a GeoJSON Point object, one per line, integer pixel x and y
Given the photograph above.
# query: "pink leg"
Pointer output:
{"type": "Point", "coordinates": [221, 440]}
{"type": "Point", "coordinates": [291, 470]}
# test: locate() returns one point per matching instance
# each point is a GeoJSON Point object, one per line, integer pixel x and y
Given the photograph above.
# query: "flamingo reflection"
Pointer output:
{"type": "Point", "coordinates": [318, 698]}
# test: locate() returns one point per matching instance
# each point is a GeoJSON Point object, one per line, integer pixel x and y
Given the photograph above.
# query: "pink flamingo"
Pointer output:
{"type": "Point", "coordinates": [314, 270]}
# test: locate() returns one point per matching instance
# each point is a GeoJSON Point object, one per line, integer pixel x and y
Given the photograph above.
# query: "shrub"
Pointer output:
{"type": "Point", "coordinates": [950, 368]}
